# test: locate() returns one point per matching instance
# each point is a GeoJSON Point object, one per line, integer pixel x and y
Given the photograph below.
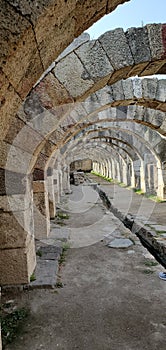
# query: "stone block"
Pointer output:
{"type": "Point", "coordinates": [45, 274]}
{"type": "Point", "coordinates": [29, 8]}
{"type": "Point", "coordinates": [149, 87]}
{"type": "Point", "coordinates": [14, 183]}
{"type": "Point", "coordinates": [22, 136]}
{"type": "Point", "coordinates": [14, 203]}
{"type": "Point", "coordinates": [161, 90]}
{"type": "Point", "coordinates": [155, 40]}
{"type": "Point", "coordinates": [12, 27]}
{"type": "Point", "coordinates": [72, 74]}
{"type": "Point", "coordinates": [117, 48]}
{"type": "Point", "coordinates": [137, 88]}
{"type": "Point", "coordinates": [16, 226]}
{"type": "Point", "coordinates": [64, 33]}
{"type": "Point", "coordinates": [41, 215]}
{"type": "Point", "coordinates": [83, 38]}
{"type": "Point", "coordinates": [50, 252]}
{"type": "Point", "coordinates": [15, 159]}
{"type": "Point", "coordinates": [120, 243]}
{"type": "Point", "coordinates": [127, 89]}
{"type": "Point", "coordinates": [8, 109]}
{"type": "Point", "coordinates": [52, 93]}
{"type": "Point", "coordinates": [23, 44]}
{"type": "Point", "coordinates": [158, 118]}
{"type": "Point", "coordinates": [17, 265]}
{"type": "Point", "coordinates": [94, 60]}
{"type": "Point", "coordinates": [117, 90]}
{"type": "Point", "coordinates": [60, 233]}
{"type": "Point", "coordinates": [139, 44]}
{"type": "Point", "coordinates": [38, 186]}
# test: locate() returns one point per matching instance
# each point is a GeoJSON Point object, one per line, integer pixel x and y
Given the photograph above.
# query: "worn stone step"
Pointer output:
{"type": "Point", "coordinates": [45, 274]}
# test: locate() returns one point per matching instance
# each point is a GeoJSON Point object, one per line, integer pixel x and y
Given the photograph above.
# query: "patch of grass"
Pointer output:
{"type": "Point", "coordinates": [59, 285]}
{"type": "Point", "coordinates": [155, 198]}
{"type": "Point", "coordinates": [148, 272]}
{"type": "Point", "coordinates": [121, 184]}
{"type": "Point", "coordinates": [63, 216]}
{"type": "Point", "coordinates": [62, 258]}
{"type": "Point", "coordinates": [33, 278]}
{"type": "Point", "coordinates": [150, 263]}
{"type": "Point", "coordinates": [160, 232]}
{"type": "Point", "coordinates": [138, 191]}
{"type": "Point", "coordinates": [102, 176]}
{"type": "Point", "coordinates": [11, 325]}
{"type": "Point", "coordinates": [65, 247]}
{"type": "Point", "coordinates": [39, 253]}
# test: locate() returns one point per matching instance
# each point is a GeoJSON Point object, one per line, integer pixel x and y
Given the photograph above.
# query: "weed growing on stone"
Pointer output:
{"type": "Point", "coordinates": [63, 216]}
{"type": "Point", "coordinates": [39, 253]}
{"type": "Point", "coordinates": [160, 232]}
{"type": "Point", "coordinates": [138, 191]}
{"type": "Point", "coordinates": [62, 258]}
{"type": "Point", "coordinates": [59, 285]}
{"type": "Point", "coordinates": [148, 272]}
{"type": "Point", "coordinates": [11, 324]}
{"type": "Point", "coordinates": [150, 263]}
{"type": "Point", "coordinates": [155, 198]}
{"type": "Point", "coordinates": [33, 278]}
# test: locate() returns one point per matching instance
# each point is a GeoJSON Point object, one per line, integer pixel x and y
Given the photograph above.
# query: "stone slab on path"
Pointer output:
{"type": "Point", "coordinates": [50, 252]}
{"type": "Point", "coordinates": [45, 274]}
{"type": "Point", "coordinates": [120, 243]}
{"type": "Point", "coordinates": [60, 233]}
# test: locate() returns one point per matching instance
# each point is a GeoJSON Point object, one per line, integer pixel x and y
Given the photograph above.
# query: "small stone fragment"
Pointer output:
{"type": "Point", "coordinates": [120, 243]}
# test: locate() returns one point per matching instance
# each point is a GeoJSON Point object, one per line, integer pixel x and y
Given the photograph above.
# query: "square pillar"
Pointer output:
{"type": "Point", "coordinates": [41, 209]}
{"type": "Point", "coordinates": [17, 247]}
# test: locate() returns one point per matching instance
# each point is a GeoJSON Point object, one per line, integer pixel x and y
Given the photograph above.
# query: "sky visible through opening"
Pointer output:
{"type": "Point", "coordinates": [135, 13]}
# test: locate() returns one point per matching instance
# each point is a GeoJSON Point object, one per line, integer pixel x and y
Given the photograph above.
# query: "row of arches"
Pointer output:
{"type": "Point", "coordinates": [82, 106]}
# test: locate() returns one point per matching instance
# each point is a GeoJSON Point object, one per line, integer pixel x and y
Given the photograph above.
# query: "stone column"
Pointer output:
{"type": "Point", "coordinates": [17, 248]}
{"type": "Point", "coordinates": [51, 193]}
{"type": "Point", "coordinates": [161, 189]}
{"type": "Point", "coordinates": [61, 193]}
{"type": "Point", "coordinates": [41, 209]}
{"type": "Point", "coordinates": [124, 173]}
{"type": "Point", "coordinates": [110, 169]}
{"type": "Point", "coordinates": [66, 179]}
{"type": "Point", "coordinates": [118, 172]}
{"type": "Point", "coordinates": [113, 170]}
{"type": "Point", "coordinates": [149, 173]}
{"type": "Point", "coordinates": [56, 186]}
{"type": "Point", "coordinates": [136, 170]}
{"type": "Point", "coordinates": [142, 177]}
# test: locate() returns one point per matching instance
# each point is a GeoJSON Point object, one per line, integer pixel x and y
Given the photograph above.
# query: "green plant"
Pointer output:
{"type": "Point", "coordinates": [63, 216]}
{"type": "Point", "coordinates": [62, 258]}
{"type": "Point", "coordinates": [160, 232]}
{"type": "Point", "coordinates": [138, 191]}
{"type": "Point", "coordinates": [59, 285]}
{"type": "Point", "coordinates": [150, 263]}
{"type": "Point", "coordinates": [39, 253]}
{"type": "Point", "coordinates": [65, 246]}
{"type": "Point", "coordinates": [11, 324]}
{"type": "Point", "coordinates": [148, 271]}
{"type": "Point", "coordinates": [33, 278]}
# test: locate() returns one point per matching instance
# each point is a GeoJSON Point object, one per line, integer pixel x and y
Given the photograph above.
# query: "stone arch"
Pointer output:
{"type": "Point", "coordinates": [24, 159]}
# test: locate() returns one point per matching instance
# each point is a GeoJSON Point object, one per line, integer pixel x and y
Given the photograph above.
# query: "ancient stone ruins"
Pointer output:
{"type": "Point", "coordinates": [64, 101]}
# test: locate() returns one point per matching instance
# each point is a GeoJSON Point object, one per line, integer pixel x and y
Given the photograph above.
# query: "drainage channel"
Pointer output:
{"type": "Point", "coordinates": [146, 235]}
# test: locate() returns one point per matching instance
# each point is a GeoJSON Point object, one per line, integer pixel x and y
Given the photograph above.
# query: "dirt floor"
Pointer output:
{"type": "Point", "coordinates": [111, 298]}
